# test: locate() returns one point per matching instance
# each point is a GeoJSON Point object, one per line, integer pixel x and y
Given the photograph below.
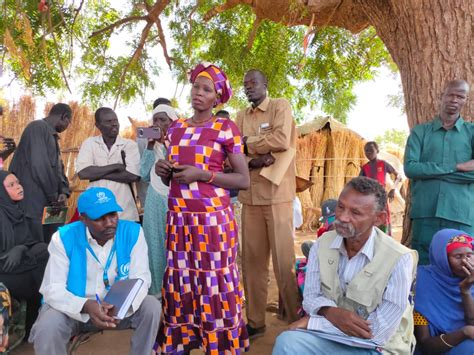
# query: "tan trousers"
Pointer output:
{"type": "Point", "coordinates": [264, 229]}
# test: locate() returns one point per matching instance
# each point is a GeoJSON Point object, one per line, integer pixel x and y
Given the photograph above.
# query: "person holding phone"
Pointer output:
{"type": "Point", "coordinates": [154, 218]}
{"type": "Point", "coordinates": [202, 296]}
{"type": "Point", "coordinates": [111, 161]}
{"type": "Point", "coordinates": [7, 147]}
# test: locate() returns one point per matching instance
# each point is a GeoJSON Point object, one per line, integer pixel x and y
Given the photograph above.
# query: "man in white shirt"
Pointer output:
{"type": "Point", "coordinates": [358, 282]}
{"type": "Point", "coordinates": [86, 258]}
{"type": "Point", "coordinates": [111, 161]}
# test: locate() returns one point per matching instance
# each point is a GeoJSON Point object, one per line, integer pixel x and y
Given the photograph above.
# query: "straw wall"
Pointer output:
{"type": "Point", "coordinates": [344, 156]}
{"type": "Point", "coordinates": [329, 159]}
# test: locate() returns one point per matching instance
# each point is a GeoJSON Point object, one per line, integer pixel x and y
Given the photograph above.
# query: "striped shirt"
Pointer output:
{"type": "Point", "coordinates": [385, 319]}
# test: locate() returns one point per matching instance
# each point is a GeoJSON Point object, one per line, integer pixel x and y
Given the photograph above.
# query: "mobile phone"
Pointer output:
{"type": "Point", "coordinates": [149, 132]}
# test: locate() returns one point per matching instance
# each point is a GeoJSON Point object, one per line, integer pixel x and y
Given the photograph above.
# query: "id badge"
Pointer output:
{"type": "Point", "coordinates": [264, 127]}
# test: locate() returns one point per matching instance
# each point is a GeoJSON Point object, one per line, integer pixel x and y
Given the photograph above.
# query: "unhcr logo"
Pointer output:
{"type": "Point", "coordinates": [102, 197]}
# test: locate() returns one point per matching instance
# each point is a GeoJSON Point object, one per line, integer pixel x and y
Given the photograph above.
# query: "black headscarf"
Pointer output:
{"type": "Point", "coordinates": [13, 226]}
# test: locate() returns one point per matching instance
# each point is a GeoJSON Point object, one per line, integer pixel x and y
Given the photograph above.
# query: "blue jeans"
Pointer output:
{"type": "Point", "coordinates": [298, 342]}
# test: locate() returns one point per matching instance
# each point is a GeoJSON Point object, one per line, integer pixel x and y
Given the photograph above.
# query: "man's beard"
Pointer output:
{"type": "Point", "coordinates": [345, 230]}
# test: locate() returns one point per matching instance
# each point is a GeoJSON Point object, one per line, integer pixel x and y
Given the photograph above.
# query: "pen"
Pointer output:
{"type": "Point", "coordinates": [98, 301]}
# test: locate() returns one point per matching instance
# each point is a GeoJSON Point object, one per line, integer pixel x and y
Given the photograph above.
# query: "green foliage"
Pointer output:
{"type": "Point", "coordinates": [34, 55]}
{"type": "Point", "coordinates": [336, 60]}
{"type": "Point", "coordinates": [393, 137]}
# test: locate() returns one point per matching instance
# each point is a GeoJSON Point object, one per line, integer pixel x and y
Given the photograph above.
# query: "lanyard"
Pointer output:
{"type": "Point", "coordinates": [105, 277]}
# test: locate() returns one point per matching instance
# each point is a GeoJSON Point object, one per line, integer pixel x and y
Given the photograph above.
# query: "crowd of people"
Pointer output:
{"type": "Point", "coordinates": [359, 296]}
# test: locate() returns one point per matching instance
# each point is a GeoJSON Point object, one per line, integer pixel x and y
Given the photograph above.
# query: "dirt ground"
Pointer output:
{"type": "Point", "coordinates": [117, 342]}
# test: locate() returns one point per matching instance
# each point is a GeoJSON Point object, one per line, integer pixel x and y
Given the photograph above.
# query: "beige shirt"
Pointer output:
{"type": "Point", "coordinates": [270, 128]}
{"type": "Point", "coordinates": [94, 152]}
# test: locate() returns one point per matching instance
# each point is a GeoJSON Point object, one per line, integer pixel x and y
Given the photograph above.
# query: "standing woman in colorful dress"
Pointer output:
{"type": "Point", "coordinates": [154, 218]}
{"type": "Point", "coordinates": [202, 297]}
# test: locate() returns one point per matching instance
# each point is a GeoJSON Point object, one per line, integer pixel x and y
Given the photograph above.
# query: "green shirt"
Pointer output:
{"type": "Point", "coordinates": [437, 188]}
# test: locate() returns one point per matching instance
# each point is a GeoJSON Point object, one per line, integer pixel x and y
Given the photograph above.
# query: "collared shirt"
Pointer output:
{"type": "Point", "coordinates": [54, 283]}
{"type": "Point", "coordinates": [431, 155]}
{"type": "Point", "coordinates": [385, 319]}
{"type": "Point", "coordinates": [270, 128]}
{"type": "Point", "coordinates": [94, 152]}
{"type": "Point", "coordinates": [37, 164]}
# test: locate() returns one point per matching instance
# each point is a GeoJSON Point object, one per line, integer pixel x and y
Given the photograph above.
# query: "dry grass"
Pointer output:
{"type": "Point", "coordinates": [310, 164]}
{"type": "Point", "coordinates": [16, 118]}
{"type": "Point", "coordinates": [329, 159]}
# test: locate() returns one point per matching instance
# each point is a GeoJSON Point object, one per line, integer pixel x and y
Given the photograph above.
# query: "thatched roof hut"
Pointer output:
{"type": "Point", "coordinates": [328, 154]}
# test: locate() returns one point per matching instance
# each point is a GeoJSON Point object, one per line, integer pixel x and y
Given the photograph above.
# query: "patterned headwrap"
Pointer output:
{"type": "Point", "coordinates": [459, 241]}
{"type": "Point", "coordinates": [218, 77]}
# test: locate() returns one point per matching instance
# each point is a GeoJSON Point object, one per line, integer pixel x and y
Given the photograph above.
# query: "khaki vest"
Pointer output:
{"type": "Point", "coordinates": [364, 293]}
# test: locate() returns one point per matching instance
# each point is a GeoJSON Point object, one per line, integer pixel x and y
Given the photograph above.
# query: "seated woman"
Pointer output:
{"type": "Point", "coordinates": [444, 301]}
{"type": "Point", "coordinates": [22, 259]}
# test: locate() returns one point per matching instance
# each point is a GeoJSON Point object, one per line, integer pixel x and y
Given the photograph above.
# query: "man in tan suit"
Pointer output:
{"type": "Point", "coordinates": [267, 208]}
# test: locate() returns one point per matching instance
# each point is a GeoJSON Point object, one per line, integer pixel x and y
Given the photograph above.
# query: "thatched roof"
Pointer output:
{"type": "Point", "coordinates": [323, 122]}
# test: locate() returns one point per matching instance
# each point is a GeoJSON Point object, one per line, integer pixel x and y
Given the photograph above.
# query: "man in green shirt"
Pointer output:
{"type": "Point", "coordinates": [439, 162]}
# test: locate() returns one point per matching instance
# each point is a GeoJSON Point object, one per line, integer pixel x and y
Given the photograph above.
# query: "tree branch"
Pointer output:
{"type": "Point", "coordinates": [117, 24]}
{"type": "Point", "coordinates": [253, 33]}
{"type": "Point", "coordinates": [136, 55]}
{"type": "Point", "coordinates": [50, 25]}
{"type": "Point", "coordinates": [162, 40]}
{"type": "Point", "coordinates": [229, 4]}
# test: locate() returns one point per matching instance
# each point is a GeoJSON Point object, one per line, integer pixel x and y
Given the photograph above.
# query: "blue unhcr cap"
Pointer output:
{"type": "Point", "coordinates": [96, 202]}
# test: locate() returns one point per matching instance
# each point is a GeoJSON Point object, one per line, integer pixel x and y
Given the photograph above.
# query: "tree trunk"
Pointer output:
{"type": "Point", "coordinates": [431, 41]}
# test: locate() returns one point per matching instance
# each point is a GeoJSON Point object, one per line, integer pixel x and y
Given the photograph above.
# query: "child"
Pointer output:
{"type": "Point", "coordinates": [377, 169]}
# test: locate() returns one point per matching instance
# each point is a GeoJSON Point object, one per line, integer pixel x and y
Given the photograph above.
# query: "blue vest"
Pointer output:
{"type": "Point", "coordinates": [75, 242]}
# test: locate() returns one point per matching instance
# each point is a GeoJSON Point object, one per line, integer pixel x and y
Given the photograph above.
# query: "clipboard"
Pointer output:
{"type": "Point", "coordinates": [277, 170]}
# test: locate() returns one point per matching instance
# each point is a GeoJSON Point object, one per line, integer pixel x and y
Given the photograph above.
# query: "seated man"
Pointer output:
{"type": "Point", "coordinates": [358, 282]}
{"type": "Point", "coordinates": [86, 258]}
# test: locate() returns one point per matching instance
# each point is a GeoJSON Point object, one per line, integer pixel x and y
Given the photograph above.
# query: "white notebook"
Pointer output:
{"type": "Point", "coordinates": [122, 294]}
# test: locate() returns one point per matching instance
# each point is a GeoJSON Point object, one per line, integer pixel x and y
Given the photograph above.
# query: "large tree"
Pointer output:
{"type": "Point", "coordinates": [76, 41]}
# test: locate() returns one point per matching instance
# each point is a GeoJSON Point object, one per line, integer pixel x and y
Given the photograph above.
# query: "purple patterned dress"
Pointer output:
{"type": "Point", "coordinates": [202, 297]}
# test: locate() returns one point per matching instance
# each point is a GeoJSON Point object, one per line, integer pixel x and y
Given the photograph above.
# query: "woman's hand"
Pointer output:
{"type": "Point", "coordinates": [186, 174]}
{"type": "Point", "coordinates": [468, 282]}
{"type": "Point", "coordinates": [164, 168]}
{"type": "Point", "coordinates": [468, 331]}
{"type": "Point", "coordinates": [13, 258]}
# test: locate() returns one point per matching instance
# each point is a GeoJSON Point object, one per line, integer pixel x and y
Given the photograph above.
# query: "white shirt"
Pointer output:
{"type": "Point", "coordinates": [386, 318]}
{"type": "Point", "coordinates": [54, 283]}
{"type": "Point", "coordinates": [94, 152]}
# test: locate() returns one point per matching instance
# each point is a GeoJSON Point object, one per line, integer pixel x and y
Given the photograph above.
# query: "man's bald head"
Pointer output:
{"type": "Point", "coordinates": [457, 84]}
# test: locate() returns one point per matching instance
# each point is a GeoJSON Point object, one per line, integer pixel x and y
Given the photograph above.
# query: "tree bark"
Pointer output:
{"type": "Point", "coordinates": [431, 41]}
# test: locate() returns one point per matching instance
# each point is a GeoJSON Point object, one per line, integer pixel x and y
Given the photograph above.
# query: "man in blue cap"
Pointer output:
{"type": "Point", "coordinates": [86, 258]}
